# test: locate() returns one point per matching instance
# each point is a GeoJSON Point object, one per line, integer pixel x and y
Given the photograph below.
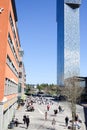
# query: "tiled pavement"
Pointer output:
{"type": "Point", "coordinates": [37, 121]}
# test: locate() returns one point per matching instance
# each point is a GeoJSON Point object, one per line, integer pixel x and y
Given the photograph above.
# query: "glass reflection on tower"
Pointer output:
{"type": "Point", "coordinates": [68, 39]}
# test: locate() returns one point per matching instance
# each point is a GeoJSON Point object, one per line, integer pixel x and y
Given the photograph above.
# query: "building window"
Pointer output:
{"type": "Point", "coordinates": [12, 26]}
{"type": "Point", "coordinates": [20, 64]}
{"type": "Point", "coordinates": [12, 48]}
{"type": "Point", "coordinates": [19, 88]}
{"type": "Point", "coordinates": [10, 87]}
{"type": "Point", "coordinates": [11, 65]}
{"type": "Point", "coordinates": [20, 74]}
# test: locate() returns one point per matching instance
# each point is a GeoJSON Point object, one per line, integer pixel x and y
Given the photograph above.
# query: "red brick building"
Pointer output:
{"type": "Point", "coordinates": [9, 61]}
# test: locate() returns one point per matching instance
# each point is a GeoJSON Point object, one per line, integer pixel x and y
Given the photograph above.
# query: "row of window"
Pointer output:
{"type": "Point", "coordinates": [10, 87]}
{"type": "Point", "coordinates": [12, 26]}
{"type": "Point", "coordinates": [13, 29]}
{"type": "Point", "coordinates": [12, 47]}
{"type": "Point", "coordinates": [20, 74]}
{"type": "Point", "coordinates": [11, 65]}
{"type": "Point", "coordinates": [20, 64]}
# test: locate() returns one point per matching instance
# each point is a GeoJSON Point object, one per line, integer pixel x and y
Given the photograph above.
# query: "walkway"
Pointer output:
{"type": "Point", "coordinates": [37, 121]}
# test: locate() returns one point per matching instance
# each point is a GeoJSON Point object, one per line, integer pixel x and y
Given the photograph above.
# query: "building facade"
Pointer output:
{"type": "Point", "coordinates": [22, 76]}
{"type": "Point", "coordinates": [9, 62]}
{"type": "Point", "coordinates": [68, 39]}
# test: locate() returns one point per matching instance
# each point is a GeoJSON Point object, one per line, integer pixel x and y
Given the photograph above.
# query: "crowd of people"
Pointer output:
{"type": "Point", "coordinates": [40, 100]}
{"type": "Point", "coordinates": [75, 122]}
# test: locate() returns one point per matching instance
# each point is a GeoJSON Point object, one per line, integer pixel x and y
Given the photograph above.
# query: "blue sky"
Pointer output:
{"type": "Point", "coordinates": [37, 31]}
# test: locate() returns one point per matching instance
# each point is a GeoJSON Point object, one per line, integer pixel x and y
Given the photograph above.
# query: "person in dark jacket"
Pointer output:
{"type": "Point", "coordinates": [24, 119]}
{"type": "Point", "coordinates": [16, 122]}
{"type": "Point", "coordinates": [60, 108]}
{"type": "Point", "coordinates": [27, 122]}
{"type": "Point", "coordinates": [55, 112]}
{"type": "Point", "coordinates": [66, 120]}
{"type": "Point", "coordinates": [76, 117]}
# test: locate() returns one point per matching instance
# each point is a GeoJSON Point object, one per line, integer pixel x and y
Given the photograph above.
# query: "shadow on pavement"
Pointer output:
{"type": "Point", "coordinates": [62, 125]}
{"type": "Point", "coordinates": [50, 120]}
{"type": "Point", "coordinates": [22, 127]}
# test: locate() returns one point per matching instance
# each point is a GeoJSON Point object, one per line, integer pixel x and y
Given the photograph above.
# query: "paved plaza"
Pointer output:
{"type": "Point", "coordinates": [37, 117]}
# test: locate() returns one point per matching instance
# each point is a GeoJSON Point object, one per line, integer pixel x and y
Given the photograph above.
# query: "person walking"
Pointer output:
{"type": "Point", "coordinates": [55, 112]}
{"type": "Point", "coordinates": [27, 121]}
{"type": "Point", "coordinates": [60, 108]}
{"type": "Point", "coordinates": [16, 122]}
{"type": "Point", "coordinates": [24, 119]}
{"type": "Point", "coordinates": [46, 115]}
{"type": "Point", "coordinates": [53, 123]}
{"type": "Point", "coordinates": [48, 107]}
{"type": "Point", "coordinates": [66, 120]}
{"type": "Point", "coordinates": [76, 117]}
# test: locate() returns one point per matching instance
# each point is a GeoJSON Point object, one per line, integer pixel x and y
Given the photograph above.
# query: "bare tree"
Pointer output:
{"type": "Point", "coordinates": [72, 90]}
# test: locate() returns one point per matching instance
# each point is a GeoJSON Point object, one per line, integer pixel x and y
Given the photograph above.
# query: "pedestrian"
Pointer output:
{"type": "Point", "coordinates": [24, 119]}
{"type": "Point", "coordinates": [76, 117]}
{"type": "Point", "coordinates": [48, 107]}
{"type": "Point", "coordinates": [66, 120]}
{"type": "Point", "coordinates": [77, 124]}
{"type": "Point", "coordinates": [27, 121]}
{"type": "Point", "coordinates": [16, 122]}
{"type": "Point", "coordinates": [55, 112]}
{"type": "Point", "coordinates": [46, 115]}
{"type": "Point", "coordinates": [60, 108]}
{"type": "Point", "coordinates": [53, 123]}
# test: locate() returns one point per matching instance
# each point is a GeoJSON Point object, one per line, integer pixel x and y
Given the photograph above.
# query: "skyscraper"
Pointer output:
{"type": "Point", "coordinates": [68, 39]}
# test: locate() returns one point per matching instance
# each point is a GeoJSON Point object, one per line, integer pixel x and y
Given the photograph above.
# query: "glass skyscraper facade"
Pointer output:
{"type": "Point", "coordinates": [68, 39]}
